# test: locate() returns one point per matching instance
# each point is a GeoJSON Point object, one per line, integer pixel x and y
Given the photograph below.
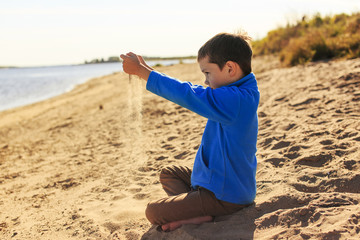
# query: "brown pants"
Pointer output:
{"type": "Point", "coordinates": [183, 202]}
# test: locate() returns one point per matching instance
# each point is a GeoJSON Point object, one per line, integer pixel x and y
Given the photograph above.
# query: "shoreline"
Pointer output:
{"type": "Point", "coordinates": [69, 90]}
{"type": "Point", "coordinates": [84, 164]}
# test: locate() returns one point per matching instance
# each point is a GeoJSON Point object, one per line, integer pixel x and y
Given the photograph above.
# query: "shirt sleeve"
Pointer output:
{"type": "Point", "coordinates": [220, 105]}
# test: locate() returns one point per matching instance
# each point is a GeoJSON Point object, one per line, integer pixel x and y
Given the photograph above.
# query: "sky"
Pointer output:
{"type": "Point", "coordinates": [56, 32]}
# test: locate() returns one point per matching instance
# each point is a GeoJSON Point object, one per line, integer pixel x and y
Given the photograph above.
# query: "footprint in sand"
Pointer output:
{"type": "Point", "coordinates": [357, 139]}
{"type": "Point", "coordinates": [181, 155]}
{"type": "Point", "coordinates": [319, 87]}
{"type": "Point", "coordinates": [289, 212]}
{"type": "Point", "coordinates": [63, 184]}
{"type": "Point", "coordinates": [289, 126]}
{"type": "Point", "coordinates": [327, 142]}
{"type": "Point", "coordinates": [273, 205]}
{"type": "Point", "coordinates": [350, 164]}
{"type": "Point", "coordinates": [146, 169]}
{"type": "Point", "coordinates": [347, 135]}
{"type": "Point", "coordinates": [305, 102]}
{"type": "Point", "coordinates": [318, 160]}
{"type": "Point", "coordinates": [276, 162]}
{"type": "Point", "coordinates": [171, 138]}
{"type": "Point", "coordinates": [161, 158]}
{"type": "Point", "coordinates": [342, 185]}
{"type": "Point", "coordinates": [134, 190]}
{"type": "Point", "coordinates": [267, 142]}
{"type": "Point", "coordinates": [355, 99]}
{"type": "Point", "coordinates": [330, 101]}
{"type": "Point", "coordinates": [293, 153]}
{"type": "Point", "coordinates": [112, 227]}
{"type": "Point", "coordinates": [167, 147]}
{"type": "Point", "coordinates": [308, 178]}
{"type": "Point", "coordinates": [281, 144]}
{"type": "Point", "coordinates": [118, 197]}
{"type": "Point", "coordinates": [141, 196]}
{"type": "Point", "coordinates": [281, 99]}
{"type": "Point", "coordinates": [350, 81]}
{"type": "Point", "coordinates": [317, 134]}
{"type": "Point", "coordinates": [355, 221]}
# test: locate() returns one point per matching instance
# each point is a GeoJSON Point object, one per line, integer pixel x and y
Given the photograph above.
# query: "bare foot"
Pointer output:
{"type": "Point", "coordinates": [174, 225]}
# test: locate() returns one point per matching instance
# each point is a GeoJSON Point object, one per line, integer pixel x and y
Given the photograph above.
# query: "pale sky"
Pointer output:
{"type": "Point", "coordinates": [51, 32]}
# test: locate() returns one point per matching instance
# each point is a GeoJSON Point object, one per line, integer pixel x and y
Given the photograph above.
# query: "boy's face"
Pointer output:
{"type": "Point", "coordinates": [214, 76]}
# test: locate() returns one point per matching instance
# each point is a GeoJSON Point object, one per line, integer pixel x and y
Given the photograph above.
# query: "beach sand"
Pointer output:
{"type": "Point", "coordinates": [83, 165]}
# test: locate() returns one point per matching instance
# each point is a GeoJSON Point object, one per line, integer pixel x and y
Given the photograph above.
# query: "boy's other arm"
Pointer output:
{"type": "Point", "coordinates": [135, 65]}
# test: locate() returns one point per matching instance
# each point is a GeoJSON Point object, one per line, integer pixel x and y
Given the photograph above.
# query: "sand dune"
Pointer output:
{"type": "Point", "coordinates": [84, 165]}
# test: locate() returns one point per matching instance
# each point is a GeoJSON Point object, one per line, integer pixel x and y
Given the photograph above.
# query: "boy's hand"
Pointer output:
{"type": "Point", "coordinates": [134, 64]}
{"type": "Point", "coordinates": [142, 61]}
{"type": "Point", "coordinates": [131, 63]}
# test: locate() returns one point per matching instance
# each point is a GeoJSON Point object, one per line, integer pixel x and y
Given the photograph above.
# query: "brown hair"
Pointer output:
{"type": "Point", "coordinates": [225, 47]}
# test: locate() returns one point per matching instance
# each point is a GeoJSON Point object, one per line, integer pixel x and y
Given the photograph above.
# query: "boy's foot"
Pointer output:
{"type": "Point", "coordinates": [174, 225]}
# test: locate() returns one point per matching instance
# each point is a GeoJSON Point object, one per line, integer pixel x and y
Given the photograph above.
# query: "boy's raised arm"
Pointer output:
{"type": "Point", "coordinates": [135, 65]}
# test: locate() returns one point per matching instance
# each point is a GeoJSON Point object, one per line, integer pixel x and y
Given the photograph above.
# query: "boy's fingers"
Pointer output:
{"type": "Point", "coordinates": [123, 56]}
{"type": "Point", "coordinates": [131, 54]}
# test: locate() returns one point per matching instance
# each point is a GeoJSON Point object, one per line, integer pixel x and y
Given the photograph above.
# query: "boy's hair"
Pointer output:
{"type": "Point", "coordinates": [225, 47]}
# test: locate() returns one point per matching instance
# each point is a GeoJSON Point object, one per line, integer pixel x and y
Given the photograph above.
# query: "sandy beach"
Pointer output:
{"type": "Point", "coordinates": [83, 165]}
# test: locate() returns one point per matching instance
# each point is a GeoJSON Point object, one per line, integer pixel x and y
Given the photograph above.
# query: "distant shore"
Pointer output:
{"type": "Point", "coordinates": [1, 67]}
{"type": "Point", "coordinates": [147, 58]}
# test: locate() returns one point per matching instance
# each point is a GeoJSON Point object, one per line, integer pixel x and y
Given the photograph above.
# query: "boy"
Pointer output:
{"type": "Point", "coordinates": [223, 177]}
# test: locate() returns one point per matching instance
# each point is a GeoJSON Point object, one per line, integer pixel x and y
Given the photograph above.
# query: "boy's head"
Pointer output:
{"type": "Point", "coordinates": [224, 49]}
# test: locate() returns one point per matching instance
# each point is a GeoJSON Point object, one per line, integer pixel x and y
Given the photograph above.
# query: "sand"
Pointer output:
{"type": "Point", "coordinates": [83, 165]}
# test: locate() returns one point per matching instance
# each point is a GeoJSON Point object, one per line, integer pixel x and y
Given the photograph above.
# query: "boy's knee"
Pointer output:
{"type": "Point", "coordinates": [151, 213]}
{"type": "Point", "coordinates": [165, 172]}
{"type": "Point", "coordinates": [173, 170]}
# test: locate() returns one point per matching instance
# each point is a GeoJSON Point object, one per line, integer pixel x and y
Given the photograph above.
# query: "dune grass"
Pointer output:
{"type": "Point", "coordinates": [313, 38]}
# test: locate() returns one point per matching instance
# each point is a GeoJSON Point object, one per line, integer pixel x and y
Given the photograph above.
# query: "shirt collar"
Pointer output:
{"type": "Point", "coordinates": [239, 82]}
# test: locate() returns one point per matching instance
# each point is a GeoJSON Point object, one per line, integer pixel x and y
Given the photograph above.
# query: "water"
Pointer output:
{"type": "Point", "coordinates": [22, 86]}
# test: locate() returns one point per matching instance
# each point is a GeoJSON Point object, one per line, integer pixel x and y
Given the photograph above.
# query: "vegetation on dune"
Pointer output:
{"type": "Point", "coordinates": [313, 38]}
{"type": "Point", "coordinates": [110, 59]}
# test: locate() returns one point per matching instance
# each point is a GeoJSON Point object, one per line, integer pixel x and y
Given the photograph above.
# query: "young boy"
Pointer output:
{"type": "Point", "coordinates": [223, 177]}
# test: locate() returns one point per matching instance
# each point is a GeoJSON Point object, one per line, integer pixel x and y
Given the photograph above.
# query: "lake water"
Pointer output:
{"type": "Point", "coordinates": [22, 86]}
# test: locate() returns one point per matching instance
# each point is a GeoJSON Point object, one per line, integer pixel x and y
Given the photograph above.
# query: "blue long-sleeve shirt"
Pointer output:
{"type": "Point", "coordinates": [225, 162]}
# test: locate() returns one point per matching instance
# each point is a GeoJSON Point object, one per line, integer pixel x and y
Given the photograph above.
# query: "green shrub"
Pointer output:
{"type": "Point", "coordinates": [313, 39]}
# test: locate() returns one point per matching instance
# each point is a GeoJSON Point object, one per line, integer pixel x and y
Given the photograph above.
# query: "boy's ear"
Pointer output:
{"type": "Point", "coordinates": [231, 68]}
